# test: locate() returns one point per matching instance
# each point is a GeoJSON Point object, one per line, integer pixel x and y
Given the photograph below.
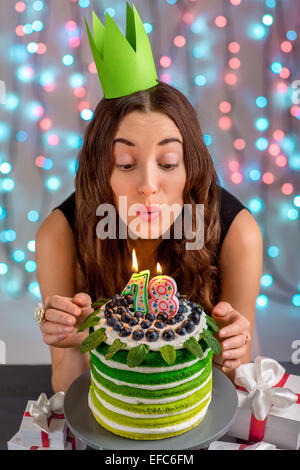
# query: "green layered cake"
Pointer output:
{"type": "Point", "coordinates": [151, 376]}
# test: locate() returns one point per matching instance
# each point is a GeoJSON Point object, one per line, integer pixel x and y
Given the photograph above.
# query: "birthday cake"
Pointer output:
{"type": "Point", "coordinates": [151, 375]}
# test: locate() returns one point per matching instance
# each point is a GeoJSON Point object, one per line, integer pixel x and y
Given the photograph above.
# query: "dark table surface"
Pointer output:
{"type": "Point", "coordinates": [19, 383]}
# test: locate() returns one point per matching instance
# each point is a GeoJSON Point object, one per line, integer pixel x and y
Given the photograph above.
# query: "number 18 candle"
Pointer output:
{"type": "Point", "coordinates": [162, 290]}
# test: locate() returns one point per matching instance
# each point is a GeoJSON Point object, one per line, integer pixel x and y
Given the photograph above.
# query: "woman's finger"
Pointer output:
{"type": "Point", "coordinates": [233, 364]}
{"type": "Point", "coordinates": [62, 303]}
{"type": "Point", "coordinates": [222, 308]}
{"type": "Point", "coordinates": [239, 325]}
{"type": "Point", "coordinates": [237, 353]}
{"type": "Point", "coordinates": [57, 316]}
{"type": "Point", "coordinates": [82, 299]}
{"type": "Point", "coordinates": [53, 339]}
{"type": "Point", "coordinates": [49, 328]}
{"type": "Point", "coordinates": [235, 342]}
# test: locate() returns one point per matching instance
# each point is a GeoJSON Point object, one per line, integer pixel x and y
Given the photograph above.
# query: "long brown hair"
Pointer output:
{"type": "Point", "coordinates": [104, 266]}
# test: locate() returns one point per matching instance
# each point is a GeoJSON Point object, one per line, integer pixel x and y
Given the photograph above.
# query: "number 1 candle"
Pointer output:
{"type": "Point", "coordinates": [140, 282]}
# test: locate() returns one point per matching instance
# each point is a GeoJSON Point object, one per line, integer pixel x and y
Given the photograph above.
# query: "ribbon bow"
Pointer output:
{"type": "Point", "coordinates": [260, 379]}
{"type": "Point", "coordinates": [43, 408]}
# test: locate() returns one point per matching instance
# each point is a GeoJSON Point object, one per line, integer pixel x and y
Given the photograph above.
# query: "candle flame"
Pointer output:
{"type": "Point", "coordinates": [134, 262]}
{"type": "Point", "coordinates": [158, 268]}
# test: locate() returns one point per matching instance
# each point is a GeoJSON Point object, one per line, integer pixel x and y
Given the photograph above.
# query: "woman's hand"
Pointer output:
{"type": "Point", "coordinates": [62, 316]}
{"type": "Point", "coordinates": [234, 334]}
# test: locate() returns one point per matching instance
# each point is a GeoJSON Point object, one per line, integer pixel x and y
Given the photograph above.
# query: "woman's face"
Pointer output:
{"type": "Point", "coordinates": [149, 170]}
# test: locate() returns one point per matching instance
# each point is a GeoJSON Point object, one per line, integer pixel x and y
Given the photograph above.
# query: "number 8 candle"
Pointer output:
{"type": "Point", "coordinates": [162, 290]}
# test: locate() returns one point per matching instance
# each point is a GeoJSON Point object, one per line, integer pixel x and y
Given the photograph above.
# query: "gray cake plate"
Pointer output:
{"type": "Point", "coordinates": [218, 419]}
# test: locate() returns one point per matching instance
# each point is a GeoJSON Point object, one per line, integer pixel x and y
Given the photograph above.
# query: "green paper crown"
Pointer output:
{"type": "Point", "coordinates": [124, 65]}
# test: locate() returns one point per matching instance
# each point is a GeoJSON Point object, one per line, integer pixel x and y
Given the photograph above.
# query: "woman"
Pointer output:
{"type": "Point", "coordinates": [147, 146]}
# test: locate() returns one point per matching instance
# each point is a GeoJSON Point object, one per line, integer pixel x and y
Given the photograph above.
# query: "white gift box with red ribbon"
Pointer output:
{"type": "Point", "coordinates": [72, 443]}
{"type": "Point", "coordinates": [220, 445]}
{"type": "Point", "coordinates": [44, 423]}
{"type": "Point", "coordinates": [268, 404]}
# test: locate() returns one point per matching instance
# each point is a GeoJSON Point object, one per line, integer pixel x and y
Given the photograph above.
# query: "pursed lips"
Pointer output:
{"type": "Point", "coordinates": [148, 210]}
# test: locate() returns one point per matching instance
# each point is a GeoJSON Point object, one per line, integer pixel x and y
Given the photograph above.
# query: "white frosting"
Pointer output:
{"type": "Point", "coordinates": [163, 430]}
{"type": "Point", "coordinates": [121, 411]}
{"type": "Point", "coordinates": [147, 370]}
{"type": "Point", "coordinates": [150, 387]}
{"type": "Point", "coordinates": [137, 400]}
{"type": "Point", "coordinates": [177, 342]}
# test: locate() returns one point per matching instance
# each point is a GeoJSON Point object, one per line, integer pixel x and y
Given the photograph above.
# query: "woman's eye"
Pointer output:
{"type": "Point", "coordinates": [166, 166]}
{"type": "Point", "coordinates": [125, 167]}
{"type": "Point", "coordinates": [169, 166]}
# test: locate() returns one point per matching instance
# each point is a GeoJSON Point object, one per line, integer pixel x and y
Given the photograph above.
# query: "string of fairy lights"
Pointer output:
{"type": "Point", "coordinates": [271, 171]}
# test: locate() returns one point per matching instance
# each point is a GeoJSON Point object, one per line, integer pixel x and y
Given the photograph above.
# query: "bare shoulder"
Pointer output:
{"type": "Point", "coordinates": [55, 225]}
{"type": "Point", "coordinates": [55, 256]}
{"type": "Point", "coordinates": [243, 233]}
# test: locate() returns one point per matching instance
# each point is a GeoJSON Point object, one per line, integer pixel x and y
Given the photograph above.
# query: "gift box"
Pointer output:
{"type": "Point", "coordinates": [268, 404]}
{"type": "Point", "coordinates": [43, 423]}
{"type": "Point", "coordinates": [72, 443]}
{"type": "Point", "coordinates": [221, 445]}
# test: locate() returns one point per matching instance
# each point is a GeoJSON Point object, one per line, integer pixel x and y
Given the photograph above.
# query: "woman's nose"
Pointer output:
{"type": "Point", "coordinates": [147, 185]}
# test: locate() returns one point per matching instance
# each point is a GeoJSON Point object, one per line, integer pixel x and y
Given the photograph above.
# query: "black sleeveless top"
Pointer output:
{"type": "Point", "coordinates": [230, 206]}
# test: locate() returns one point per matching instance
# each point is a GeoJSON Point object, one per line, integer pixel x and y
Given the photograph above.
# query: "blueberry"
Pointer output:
{"type": "Point", "coordinates": [110, 304]}
{"type": "Point", "coordinates": [168, 334]}
{"type": "Point", "coordinates": [125, 318]}
{"type": "Point", "coordinates": [181, 331]}
{"type": "Point", "coordinates": [108, 312]}
{"type": "Point", "coordinates": [117, 299]}
{"type": "Point", "coordinates": [112, 320]}
{"type": "Point", "coordinates": [171, 321]}
{"type": "Point", "coordinates": [182, 308]}
{"type": "Point", "coordinates": [179, 317]}
{"type": "Point", "coordinates": [125, 331]}
{"type": "Point", "coordinates": [152, 335]}
{"type": "Point", "coordinates": [150, 316]}
{"type": "Point", "coordinates": [133, 321]}
{"type": "Point", "coordinates": [131, 309]}
{"type": "Point", "coordinates": [162, 316]}
{"type": "Point", "coordinates": [159, 324]}
{"type": "Point", "coordinates": [124, 302]}
{"type": "Point", "coordinates": [129, 298]}
{"type": "Point", "coordinates": [197, 309]}
{"type": "Point", "coordinates": [193, 305]}
{"type": "Point", "coordinates": [139, 315]}
{"type": "Point", "coordinates": [121, 310]}
{"type": "Point", "coordinates": [195, 317]}
{"type": "Point", "coordinates": [188, 325]}
{"type": "Point", "coordinates": [118, 327]}
{"type": "Point", "coordinates": [138, 335]}
{"type": "Point", "coordinates": [145, 324]}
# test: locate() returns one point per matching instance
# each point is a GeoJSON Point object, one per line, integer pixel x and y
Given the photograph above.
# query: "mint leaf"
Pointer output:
{"type": "Point", "coordinates": [168, 353]}
{"type": "Point", "coordinates": [212, 342]}
{"type": "Point", "coordinates": [193, 346]}
{"type": "Point", "coordinates": [212, 322]}
{"type": "Point", "coordinates": [137, 354]}
{"type": "Point", "coordinates": [93, 340]}
{"type": "Point", "coordinates": [200, 306]}
{"type": "Point", "coordinates": [113, 348]}
{"type": "Point", "coordinates": [100, 302]}
{"type": "Point", "coordinates": [91, 320]}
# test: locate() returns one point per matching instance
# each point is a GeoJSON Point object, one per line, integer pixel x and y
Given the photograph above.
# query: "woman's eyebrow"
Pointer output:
{"type": "Point", "coordinates": [162, 142]}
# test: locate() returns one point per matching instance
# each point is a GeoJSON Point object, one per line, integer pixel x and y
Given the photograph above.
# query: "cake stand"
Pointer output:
{"type": "Point", "coordinates": [218, 419]}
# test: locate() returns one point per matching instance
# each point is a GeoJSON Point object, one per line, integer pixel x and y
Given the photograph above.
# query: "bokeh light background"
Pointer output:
{"type": "Point", "coordinates": [236, 61]}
